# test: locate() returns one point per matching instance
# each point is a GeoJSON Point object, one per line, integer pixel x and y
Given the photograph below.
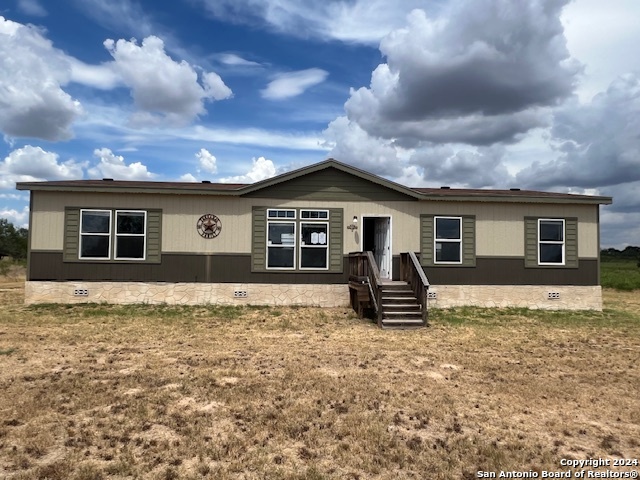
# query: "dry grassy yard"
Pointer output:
{"type": "Point", "coordinates": [91, 392]}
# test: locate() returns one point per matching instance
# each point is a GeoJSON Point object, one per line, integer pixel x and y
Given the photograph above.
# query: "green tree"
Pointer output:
{"type": "Point", "coordinates": [13, 242]}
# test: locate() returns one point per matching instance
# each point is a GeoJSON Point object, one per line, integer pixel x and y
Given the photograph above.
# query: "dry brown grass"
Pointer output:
{"type": "Point", "coordinates": [91, 392]}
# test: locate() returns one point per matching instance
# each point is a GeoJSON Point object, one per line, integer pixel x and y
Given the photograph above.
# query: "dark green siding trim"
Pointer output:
{"type": "Point", "coordinates": [511, 271]}
{"type": "Point", "coordinates": [259, 239]}
{"type": "Point", "coordinates": [330, 184]}
{"type": "Point", "coordinates": [71, 234]}
{"type": "Point", "coordinates": [71, 243]}
{"type": "Point", "coordinates": [336, 224]}
{"type": "Point", "coordinates": [571, 242]}
{"type": "Point", "coordinates": [229, 268]}
{"type": "Point", "coordinates": [234, 268]}
{"type": "Point", "coordinates": [531, 243]}
{"type": "Point", "coordinates": [427, 228]}
{"type": "Point", "coordinates": [468, 241]}
{"type": "Point", "coordinates": [154, 235]}
{"type": "Point", "coordinates": [426, 240]}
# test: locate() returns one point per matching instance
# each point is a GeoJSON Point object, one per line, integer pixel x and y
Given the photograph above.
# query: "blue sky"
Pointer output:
{"type": "Point", "coordinates": [539, 94]}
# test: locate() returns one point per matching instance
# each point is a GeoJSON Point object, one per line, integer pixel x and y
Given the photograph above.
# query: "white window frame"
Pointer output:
{"type": "Point", "coordinates": [143, 235]}
{"type": "Point", "coordinates": [274, 217]}
{"type": "Point", "coordinates": [80, 234]}
{"type": "Point", "coordinates": [325, 219]}
{"type": "Point", "coordinates": [553, 242]}
{"type": "Point", "coordinates": [325, 246]}
{"type": "Point", "coordinates": [446, 240]}
{"type": "Point", "coordinates": [295, 243]}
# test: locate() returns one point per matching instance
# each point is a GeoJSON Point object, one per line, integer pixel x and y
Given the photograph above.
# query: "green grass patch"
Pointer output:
{"type": "Point", "coordinates": [503, 317]}
{"type": "Point", "coordinates": [620, 274]}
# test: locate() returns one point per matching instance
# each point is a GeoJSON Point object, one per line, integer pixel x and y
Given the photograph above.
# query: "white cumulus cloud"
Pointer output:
{"type": "Point", "coordinates": [32, 74]}
{"type": "Point", "coordinates": [19, 218]}
{"type": "Point", "coordinates": [114, 166]}
{"type": "Point", "coordinates": [292, 84]}
{"type": "Point", "coordinates": [187, 177]}
{"type": "Point", "coordinates": [479, 73]}
{"type": "Point", "coordinates": [206, 161]}
{"type": "Point", "coordinates": [30, 164]}
{"type": "Point", "coordinates": [163, 89]}
{"type": "Point", "coordinates": [261, 169]}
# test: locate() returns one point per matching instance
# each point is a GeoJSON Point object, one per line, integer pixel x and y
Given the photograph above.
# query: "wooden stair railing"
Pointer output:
{"type": "Point", "coordinates": [411, 272]}
{"type": "Point", "coordinates": [364, 272]}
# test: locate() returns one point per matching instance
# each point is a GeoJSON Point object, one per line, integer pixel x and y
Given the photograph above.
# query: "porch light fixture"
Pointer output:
{"type": "Point", "coordinates": [354, 224]}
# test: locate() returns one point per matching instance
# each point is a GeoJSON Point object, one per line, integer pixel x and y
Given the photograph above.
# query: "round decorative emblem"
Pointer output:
{"type": "Point", "coordinates": [209, 226]}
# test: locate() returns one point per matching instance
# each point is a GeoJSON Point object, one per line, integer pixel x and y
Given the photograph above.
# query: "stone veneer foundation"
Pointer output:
{"type": "Point", "coordinates": [337, 295]}
{"type": "Point", "coordinates": [567, 297]}
{"type": "Point", "coordinates": [188, 293]}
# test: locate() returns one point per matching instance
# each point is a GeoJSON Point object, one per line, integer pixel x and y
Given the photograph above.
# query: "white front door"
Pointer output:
{"type": "Point", "coordinates": [378, 239]}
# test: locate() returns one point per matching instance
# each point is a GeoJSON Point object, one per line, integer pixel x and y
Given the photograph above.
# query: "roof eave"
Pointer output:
{"type": "Point", "coordinates": [43, 186]}
{"type": "Point", "coordinates": [519, 199]}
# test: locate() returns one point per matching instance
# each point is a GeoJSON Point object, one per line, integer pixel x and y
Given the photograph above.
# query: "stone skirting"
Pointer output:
{"type": "Point", "coordinates": [528, 296]}
{"type": "Point", "coordinates": [333, 295]}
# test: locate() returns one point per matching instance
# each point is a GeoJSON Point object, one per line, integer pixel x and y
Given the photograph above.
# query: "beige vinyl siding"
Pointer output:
{"type": "Point", "coordinates": [499, 227]}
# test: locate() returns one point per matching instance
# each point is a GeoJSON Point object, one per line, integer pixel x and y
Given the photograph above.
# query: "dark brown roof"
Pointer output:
{"type": "Point", "coordinates": [237, 189]}
{"type": "Point", "coordinates": [469, 192]}
{"type": "Point", "coordinates": [136, 184]}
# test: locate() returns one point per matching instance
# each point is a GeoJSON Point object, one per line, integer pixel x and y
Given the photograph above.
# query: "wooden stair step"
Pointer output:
{"type": "Point", "coordinates": [400, 322]}
{"type": "Point", "coordinates": [401, 315]}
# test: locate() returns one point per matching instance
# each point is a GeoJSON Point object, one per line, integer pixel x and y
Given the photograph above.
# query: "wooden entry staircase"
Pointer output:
{"type": "Point", "coordinates": [394, 304]}
{"type": "Point", "coordinates": [400, 307]}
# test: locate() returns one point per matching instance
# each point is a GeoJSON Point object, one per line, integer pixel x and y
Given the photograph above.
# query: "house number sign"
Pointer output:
{"type": "Point", "coordinates": [209, 226]}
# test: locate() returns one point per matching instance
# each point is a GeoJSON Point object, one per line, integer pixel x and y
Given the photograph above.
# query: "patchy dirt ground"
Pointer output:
{"type": "Point", "coordinates": [90, 392]}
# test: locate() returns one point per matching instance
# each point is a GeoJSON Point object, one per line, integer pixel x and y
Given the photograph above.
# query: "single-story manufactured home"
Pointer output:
{"type": "Point", "coordinates": [295, 238]}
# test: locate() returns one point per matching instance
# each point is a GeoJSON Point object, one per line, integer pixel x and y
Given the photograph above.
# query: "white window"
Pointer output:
{"type": "Point", "coordinates": [95, 234]}
{"type": "Point", "coordinates": [279, 214]}
{"type": "Point", "coordinates": [105, 235]}
{"type": "Point", "coordinates": [297, 241]}
{"type": "Point", "coordinates": [448, 240]}
{"type": "Point", "coordinates": [130, 235]}
{"type": "Point", "coordinates": [314, 214]}
{"type": "Point", "coordinates": [281, 245]}
{"type": "Point", "coordinates": [314, 249]}
{"type": "Point", "coordinates": [550, 241]}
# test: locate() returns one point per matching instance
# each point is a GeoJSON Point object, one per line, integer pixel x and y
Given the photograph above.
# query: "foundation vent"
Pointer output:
{"type": "Point", "coordinates": [240, 294]}
{"type": "Point", "coordinates": [80, 292]}
{"type": "Point", "coordinates": [432, 295]}
{"type": "Point", "coordinates": [553, 295]}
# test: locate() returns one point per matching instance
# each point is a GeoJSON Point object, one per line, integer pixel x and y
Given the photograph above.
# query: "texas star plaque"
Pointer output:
{"type": "Point", "coordinates": [209, 226]}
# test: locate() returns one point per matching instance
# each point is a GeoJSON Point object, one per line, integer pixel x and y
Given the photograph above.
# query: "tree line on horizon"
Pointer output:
{"type": "Point", "coordinates": [13, 241]}
{"type": "Point", "coordinates": [628, 253]}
